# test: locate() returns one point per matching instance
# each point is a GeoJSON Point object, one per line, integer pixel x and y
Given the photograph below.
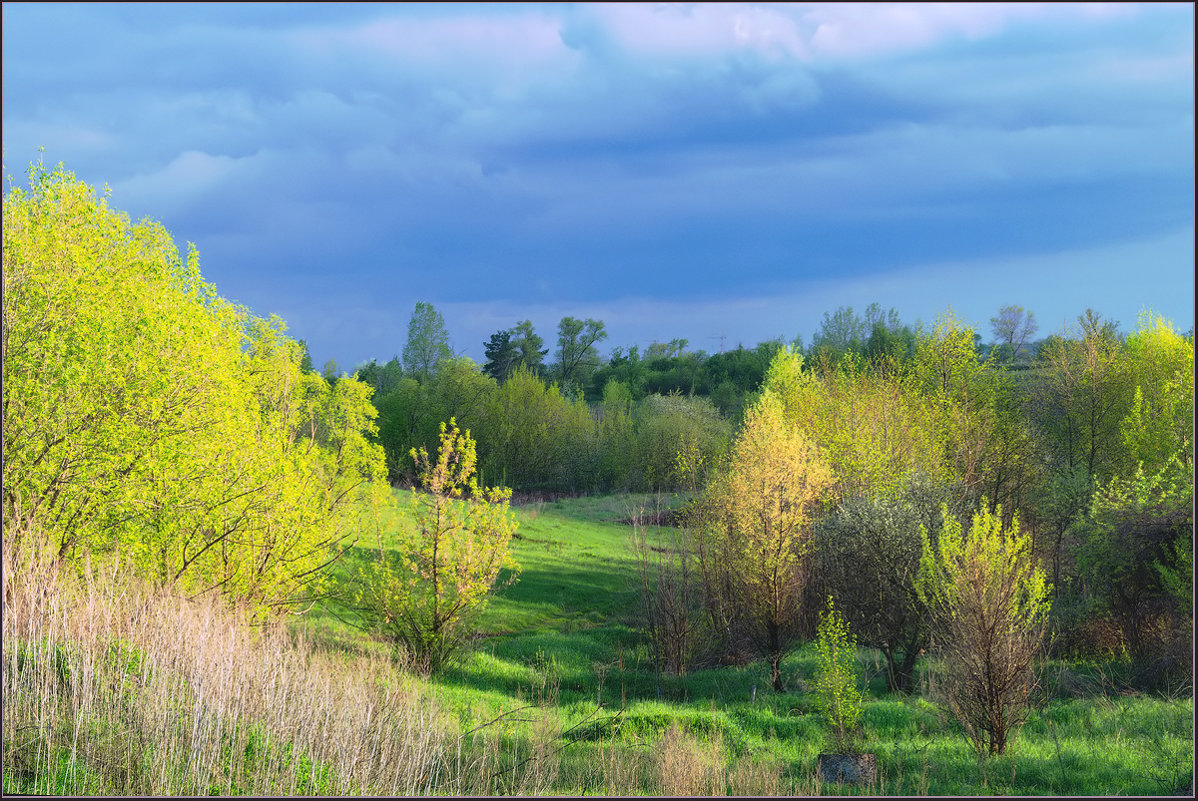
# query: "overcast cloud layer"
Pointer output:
{"type": "Point", "coordinates": [677, 171]}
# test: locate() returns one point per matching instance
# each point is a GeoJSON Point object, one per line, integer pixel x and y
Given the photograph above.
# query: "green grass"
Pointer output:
{"type": "Point", "coordinates": [564, 640]}
{"type": "Point", "coordinates": [557, 696]}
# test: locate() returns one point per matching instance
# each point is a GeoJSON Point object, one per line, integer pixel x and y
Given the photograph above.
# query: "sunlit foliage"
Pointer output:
{"type": "Point", "coordinates": [148, 418]}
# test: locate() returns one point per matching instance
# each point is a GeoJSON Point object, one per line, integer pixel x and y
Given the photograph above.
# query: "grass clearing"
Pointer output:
{"type": "Point", "coordinates": [557, 697]}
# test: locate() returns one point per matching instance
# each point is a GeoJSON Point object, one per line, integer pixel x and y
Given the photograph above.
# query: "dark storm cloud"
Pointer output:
{"type": "Point", "coordinates": [336, 163]}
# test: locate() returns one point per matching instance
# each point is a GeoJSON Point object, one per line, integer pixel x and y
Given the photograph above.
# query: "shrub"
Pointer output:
{"type": "Point", "coordinates": [991, 603]}
{"type": "Point", "coordinates": [670, 593]}
{"type": "Point", "coordinates": [836, 682]}
{"type": "Point", "coordinates": [425, 596]}
{"type": "Point", "coordinates": [867, 555]}
{"type": "Point", "coordinates": [1137, 549]}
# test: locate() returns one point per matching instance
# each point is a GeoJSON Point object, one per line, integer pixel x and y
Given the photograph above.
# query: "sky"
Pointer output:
{"type": "Point", "coordinates": [725, 174]}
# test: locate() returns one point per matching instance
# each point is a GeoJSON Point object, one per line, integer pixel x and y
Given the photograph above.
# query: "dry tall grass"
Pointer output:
{"type": "Point", "coordinates": [109, 688]}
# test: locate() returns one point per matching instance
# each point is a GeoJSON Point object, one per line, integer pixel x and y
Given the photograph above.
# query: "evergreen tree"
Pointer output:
{"type": "Point", "coordinates": [502, 355]}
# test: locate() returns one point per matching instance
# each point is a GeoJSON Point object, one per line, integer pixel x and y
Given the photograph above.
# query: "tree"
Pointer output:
{"type": "Point", "coordinates": [990, 600]}
{"type": "Point", "coordinates": [383, 377]}
{"type": "Point", "coordinates": [426, 595]}
{"type": "Point", "coordinates": [305, 358]}
{"type": "Point", "coordinates": [502, 355]}
{"type": "Point", "coordinates": [841, 332]}
{"type": "Point", "coordinates": [626, 367]}
{"type": "Point", "coordinates": [1013, 327]}
{"type": "Point", "coordinates": [331, 372]}
{"type": "Point", "coordinates": [836, 691]}
{"type": "Point", "coordinates": [875, 429]}
{"type": "Point", "coordinates": [535, 436]}
{"type": "Point", "coordinates": [577, 356]}
{"type": "Point", "coordinates": [1136, 537]}
{"type": "Point", "coordinates": [530, 354]}
{"type": "Point", "coordinates": [761, 507]}
{"type": "Point", "coordinates": [1160, 424]}
{"type": "Point", "coordinates": [665, 350]}
{"type": "Point", "coordinates": [428, 342]}
{"type": "Point", "coordinates": [404, 423]}
{"type": "Point", "coordinates": [887, 347]}
{"type": "Point", "coordinates": [948, 371]}
{"type": "Point", "coordinates": [1085, 397]}
{"type": "Point", "coordinates": [867, 555]}
{"type": "Point", "coordinates": [148, 418]}
{"type": "Point", "coordinates": [730, 377]}
{"type": "Point", "coordinates": [461, 391]}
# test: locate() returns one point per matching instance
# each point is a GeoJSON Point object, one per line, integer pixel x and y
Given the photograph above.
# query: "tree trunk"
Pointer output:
{"type": "Point", "coordinates": [775, 655]}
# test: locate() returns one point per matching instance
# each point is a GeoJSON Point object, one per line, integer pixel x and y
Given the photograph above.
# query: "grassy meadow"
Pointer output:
{"type": "Point", "coordinates": [108, 690]}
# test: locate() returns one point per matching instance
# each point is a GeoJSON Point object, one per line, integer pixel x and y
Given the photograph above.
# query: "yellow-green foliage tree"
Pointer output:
{"type": "Point", "coordinates": [875, 428]}
{"type": "Point", "coordinates": [760, 512]}
{"type": "Point", "coordinates": [962, 388]}
{"type": "Point", "coordinates": [444, 569]}
{"type": "Point", "coordinates": [148, 418]}
{"type": "Point", "coordinates": [990, 600]}
{"type": "Point", "coordinates": [536, 438]}
{"type": "Point", "coordinates": [1160, 424]}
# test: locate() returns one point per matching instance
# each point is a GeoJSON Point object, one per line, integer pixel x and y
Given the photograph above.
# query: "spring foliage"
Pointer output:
{"type": "Point", "coordinates": [426, 593]}
{"type": "Point", "coordinates": [991, 602]}
{"type": "Point", "coordinates": [147, 417]}
{"type": "Point", "coordinates": [761, 509]}
{"type": "Point", "coordinates": [837, 694]}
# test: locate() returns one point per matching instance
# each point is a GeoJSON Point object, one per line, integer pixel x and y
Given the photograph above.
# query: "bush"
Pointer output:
{"type": "Point", "coordinates": [836, 681]}
{"type": "Point", "coordinates": [867, 555]}
{"type": "Point", "coordinates": [1137, 549]}
{"type": "Point", "coordinates": [991, 604]}
{"type": "Point", "coordinates": [425, 596]}
{"type": "Point", "coordinates": [671, 594]}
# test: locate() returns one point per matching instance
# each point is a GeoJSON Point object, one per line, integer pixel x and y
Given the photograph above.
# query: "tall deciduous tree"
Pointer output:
{"type": "Point", "coordinates": [428, 342]}
{"type": "Point", "coordinates": [577, 356]}
{"type": "Point", "coordinates": [841, 332]}
{"type": "Point", "coordinates": [383, 377]}
{"type": "Point", "coordinates": [762, 508]}
{"type": "Point", "coordinates": [530, 356]}
{"type": "Point", "coordinates": [1085, 397]}
{"type": "Point", "coordinates": [1013, 327]}
{"type": "Point", "coordinates": [949, 372]}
